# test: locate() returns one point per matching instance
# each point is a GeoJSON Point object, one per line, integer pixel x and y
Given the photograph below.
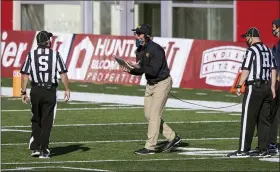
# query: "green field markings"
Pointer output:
{"type": "Point", "coordinates": [129, 132]}
{"type": "Point", "coordinates": [112, 116]}
{"type": "Point", "coordinates": [117, 156]}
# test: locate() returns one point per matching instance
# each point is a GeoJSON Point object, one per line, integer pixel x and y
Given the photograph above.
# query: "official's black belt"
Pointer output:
{"type": "Point", "coordinates": [43, 85]}
{"type": "Point", "coordinates": [257, 81]}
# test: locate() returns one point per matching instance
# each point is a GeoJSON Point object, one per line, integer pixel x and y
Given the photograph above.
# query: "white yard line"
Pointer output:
{"type": "Point", "coordinates": [178, 109]}
{"type": "Point", "coordinates": [114, 107]}
{"type": "Point", "coordinates": [119, 141]}
{"type": "Point", "coordinates": [14, 98]}
{"type": "Point", "coordinates": [71, 109]}
{"type": "Point", "coordinates": [235, 114]}
{"type": "Point", "coordinates": [13, 130]}
{"type": "Point", "coordinates": [270, 159]}
{"type": "Point", "coordinates": [83, 85]}
{"type": "Point", "coordinates": [128, 123]}
{"type": "Point", "coordinates": [49, 167]}
{"type": "Point", "coordinates": [118, 105]}
{"type": "Point", "coordinates": [116, 160]}
{"type": "Point", "coordinates": [209, 112]}
{"type": "Point", "coordinates": [201, 94]}
{"type": "Point", "coordinates": [114, 88]}
{"type": "Point", "coordinates": [139, 100]}
{"type": "Point", "coordinates": [82, 103]}
{"type": "Point", "coordinates": [228, 95]}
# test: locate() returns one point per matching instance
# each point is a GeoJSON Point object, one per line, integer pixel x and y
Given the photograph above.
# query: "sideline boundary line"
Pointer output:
{"type": "Point", "coordinates": [124, 123]}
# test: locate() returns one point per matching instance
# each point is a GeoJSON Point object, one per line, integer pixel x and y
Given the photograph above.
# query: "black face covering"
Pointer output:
{"type": "Point", "coordinates": [274, 32]}
{"type": "Point", "coordinates": [137, 42]}
{"type": "Point", "coordinates": [248, 42]}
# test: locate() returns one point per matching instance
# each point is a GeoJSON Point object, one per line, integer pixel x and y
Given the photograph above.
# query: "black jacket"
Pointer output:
{"type": "Point", "coordinates": [152, 62]}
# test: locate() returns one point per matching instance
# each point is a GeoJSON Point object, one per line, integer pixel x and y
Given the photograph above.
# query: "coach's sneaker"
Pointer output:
{"type": "Point", "coordinates": [144, 151]}
{"type": "Point", "coordinates": [273, 149]}
{"type": "Point", "coordinates": [35, 153]}
{"type": "Point", "coordinates": [45, 154]}
{"type": "Point", "coordinates": [264, 154]}
{"type": "Point", "coordinates": [238, 154]}
{"type": "Point", "coordinates": [172, 143]}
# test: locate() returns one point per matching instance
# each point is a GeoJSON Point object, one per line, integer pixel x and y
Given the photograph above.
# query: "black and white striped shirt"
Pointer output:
{"type": "Point", "coordinates": [43, 64]}
{"type": "Point", "coordinates": [259, 61]}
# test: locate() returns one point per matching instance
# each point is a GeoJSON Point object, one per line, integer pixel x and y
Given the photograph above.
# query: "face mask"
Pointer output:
{"type": "Point", "coordinates": [248, 42]}
{"type": "Point", "coordinates": [137, 42]}
{"type": "Point", "coordinates": [274, 32]}
{"type": "Point", "coordinates": [142, 41]}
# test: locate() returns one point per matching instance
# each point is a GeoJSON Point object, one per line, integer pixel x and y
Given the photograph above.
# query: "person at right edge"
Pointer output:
{"type": "Point", "coordinates": [273, 147]}
{"type": "Point", "coordinates": [259, 75]}
{"type": "Point", "coordinates": [151, 60]}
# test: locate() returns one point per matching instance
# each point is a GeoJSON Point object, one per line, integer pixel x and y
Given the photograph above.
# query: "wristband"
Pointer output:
{"type": "Point", "coordinates": [238, 86]}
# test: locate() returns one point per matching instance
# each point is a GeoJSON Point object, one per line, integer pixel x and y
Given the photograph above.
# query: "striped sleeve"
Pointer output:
{"type": "Point", "coordinates": [249, 57]}
{"type": "Point", "coordinates": [61, 67]}
{"type": "Point", "coordinates": [25, 69]}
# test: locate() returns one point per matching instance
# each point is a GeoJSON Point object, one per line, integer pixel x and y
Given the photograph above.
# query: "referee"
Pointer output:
{"type": "Point", "coordinates": [43, 64]}
{"type": "Point", "coordinates": [259, 75]}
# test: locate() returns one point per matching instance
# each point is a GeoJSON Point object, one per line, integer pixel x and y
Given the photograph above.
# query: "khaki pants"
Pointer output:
{"type": "Point", "coordinates": [154, 102]}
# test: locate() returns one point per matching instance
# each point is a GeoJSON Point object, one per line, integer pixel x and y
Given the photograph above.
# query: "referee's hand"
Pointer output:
{"type": "Point", "coordinates": [273, 92]}
{"type": "Point", "coordinates": [67, 95]}
{"type": "Point", "coordinates": [24, 98]}
{"type": "Point", "coordinates": [238, 91]}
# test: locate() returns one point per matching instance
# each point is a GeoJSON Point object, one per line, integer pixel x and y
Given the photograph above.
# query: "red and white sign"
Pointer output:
{"type": "Point", "coordinates": [91, 59]}
{"type": "Point", "coordinates": [199, 64]}
{"type": "Point", "coordinates": [15, 45]}
{"type": "Point", "coordinates": [213, 64]}
{"type": "Point", "coordinates": [177, 53]}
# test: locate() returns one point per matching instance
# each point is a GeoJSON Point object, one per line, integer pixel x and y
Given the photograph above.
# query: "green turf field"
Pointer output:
{"type": "Point", "coordinates": [100, 137]}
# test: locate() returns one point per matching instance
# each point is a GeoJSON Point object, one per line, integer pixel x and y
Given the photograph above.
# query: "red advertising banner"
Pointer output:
{"type": "Point", "coordinates": [91, 59]}
{"type": "Point", "coordinates": [15, 45]}
{"type": "Point", "coordinates": [213, 64]}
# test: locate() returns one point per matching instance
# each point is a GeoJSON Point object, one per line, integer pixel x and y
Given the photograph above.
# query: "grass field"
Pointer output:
{"type": "Point", "coordinates": [97, 137]}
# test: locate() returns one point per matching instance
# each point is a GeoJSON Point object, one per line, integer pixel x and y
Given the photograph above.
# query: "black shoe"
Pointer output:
{"type": "Point", "coordinates": [35, 153]}
{"type": "Point", "coordinates": [172, 143]}
{"type": "Point", "coordinates": [144, 151]}
{"type": "Point", "coordinates": [238, 154]}
{"type": "Point", "coordinates": [264, 154]}
{"type": "Point", "coordinates": [45, 154]}
{"type": "Point", "coordinates": [254, 152]}
{"type": "Point", "coordinates": [273, 149]}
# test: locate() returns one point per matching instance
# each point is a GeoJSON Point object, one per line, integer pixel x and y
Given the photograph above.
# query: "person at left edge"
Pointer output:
{"type": "Point", "coordinates": [43, 64]}
{"type": "Point", "coordinates": [151, 61]}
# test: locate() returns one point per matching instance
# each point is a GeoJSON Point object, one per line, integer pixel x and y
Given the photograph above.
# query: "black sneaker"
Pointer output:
{"type": "Point", "coordinates": [264, 154]}
{"type": "Point", "coordinates": [273, 149]}
{"type": "Point", "coordinates": [45, 154]}
{"type": "Point", "coordinates": [238, 154]}
{"type": "Point", "coordinates": [144, 151]}
{"type": "Point", "coordinates": [35, 153]}
{"type": "Point", "coordinates": [254, 152]}
{"type": "Point", "coordinates": [172, 143]}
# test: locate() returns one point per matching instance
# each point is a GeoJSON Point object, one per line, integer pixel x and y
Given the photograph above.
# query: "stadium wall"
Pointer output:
{"type": "Point", "coordinates": [201, 64]}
